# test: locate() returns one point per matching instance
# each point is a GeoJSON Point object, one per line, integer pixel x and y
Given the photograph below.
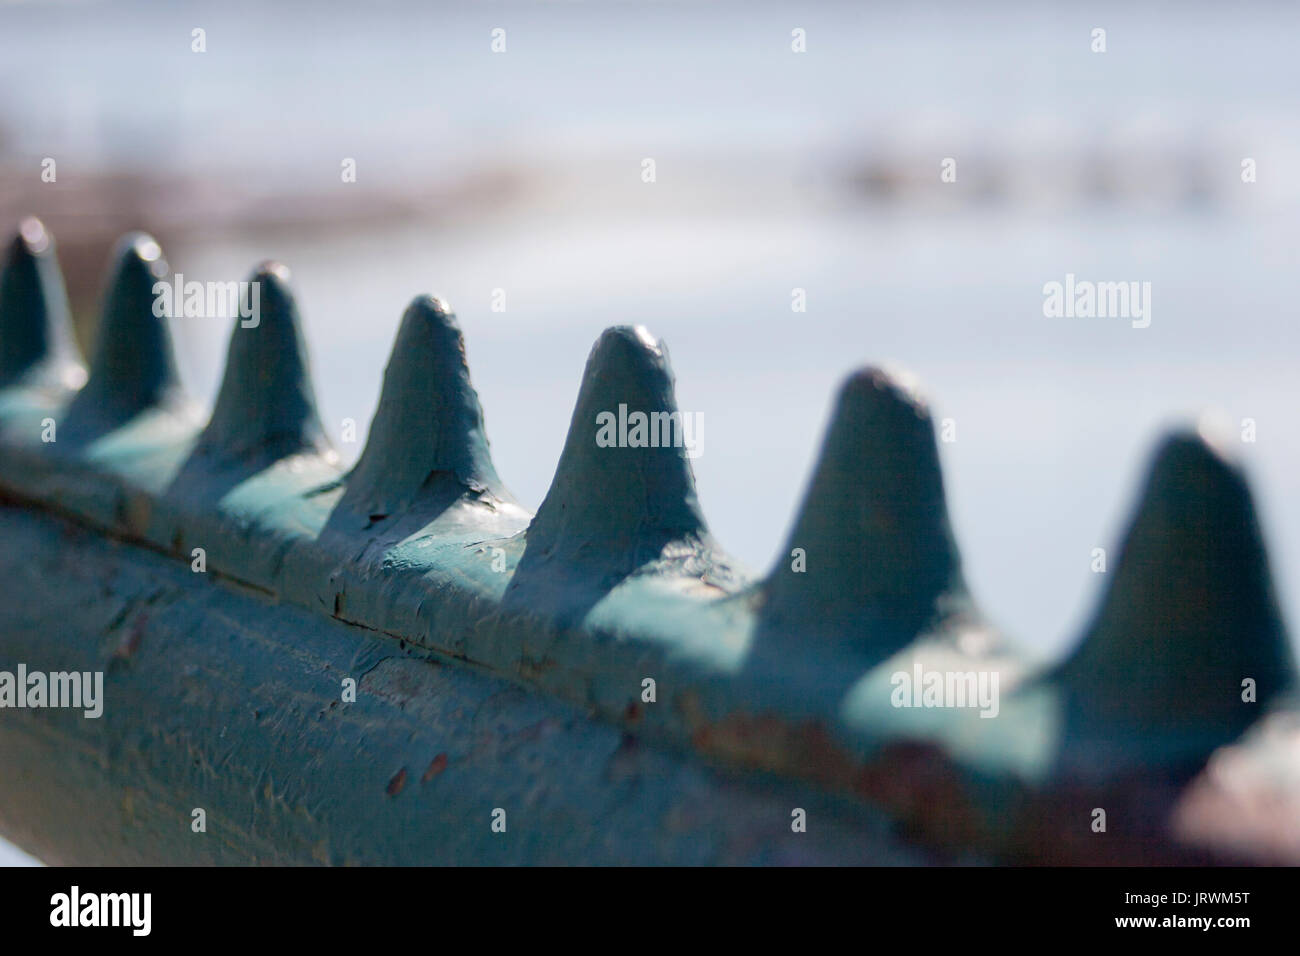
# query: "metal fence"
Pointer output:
{"type": "Point", "coordinates": [398, 663]}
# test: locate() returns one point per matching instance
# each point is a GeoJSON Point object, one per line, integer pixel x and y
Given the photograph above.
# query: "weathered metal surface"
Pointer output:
{"type": "Point", "coordinates": [618, 580]}
{"type": "Point", "coordinates": [220, 699]}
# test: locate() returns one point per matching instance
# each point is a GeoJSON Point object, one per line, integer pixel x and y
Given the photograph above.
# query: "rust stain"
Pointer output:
{"type": "Point", "coordinates": [134, 513]}
{"type": "Point", "coordinates": [914, 781]}
{"type": "Point", "coordinates": [129, 643]}
{"type": "Point", "coordinates": [397, 783]}
{"type": "Point", "coordinates": [438, 765]}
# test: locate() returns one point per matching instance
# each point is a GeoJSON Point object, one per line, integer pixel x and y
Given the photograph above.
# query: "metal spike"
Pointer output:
{"type": "Point", "coordinates": [879, 562]}
{"type": "Point", "coordinates": [1191, 611]}
{"type": "Point", "coordinates": [618, 506]}
{"type": "Point", "coordinates": [266, 409]}
{"type": "Point", "coordinates": [427, 436]}
{"type": "Point", "coordinates": [133, 369]}
{"type": "Point", "coordinates": [36, 345]}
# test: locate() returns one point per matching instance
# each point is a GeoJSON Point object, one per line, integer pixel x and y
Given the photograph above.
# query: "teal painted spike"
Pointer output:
{"type": "Point", "coordinates": [880, 565]}
{"type": "Point", "coordinates": [616, 501]}
{"type": "Point", "coordinates": [36, 346]}
{"type": "Point", "coordinates": [1191, 611]}
{"type": "Point", "coordinates": [266, 409]}
{"type": "Point", "coordinates": [427, 437]}
{"type": "Point", "coordinates": [134, 369]}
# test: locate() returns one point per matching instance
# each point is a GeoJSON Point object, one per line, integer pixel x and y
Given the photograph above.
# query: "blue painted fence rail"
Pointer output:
{"type": "Point", "coordinates": [610, 626]}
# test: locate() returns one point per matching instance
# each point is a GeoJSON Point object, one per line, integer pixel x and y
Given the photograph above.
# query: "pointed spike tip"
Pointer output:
{"type": "Point", "coordinates": [277, 303]}
{"type": "Point", "coordinates": [874, 521]}
{"type": "Point", "coordinates": [630, 353]}
{"type": "Point", "coordinates": [428, 429]}
{"type": "Point", "coordinates": [33, 236]}
{"type": "Point", "coordinates": [1214, 429]}
{"type": "Point", "coordinates": [266, 408]}
{"type": "Point", "coordinates": [272, 271]}
{"type": "Point", "coordinates": [140, 248]}
{"type": "Point", "coordinates": [644, 336]}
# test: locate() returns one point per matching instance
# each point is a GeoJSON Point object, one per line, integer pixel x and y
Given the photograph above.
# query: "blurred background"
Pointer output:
{"type": "Point", "coordinates": [775, 170]}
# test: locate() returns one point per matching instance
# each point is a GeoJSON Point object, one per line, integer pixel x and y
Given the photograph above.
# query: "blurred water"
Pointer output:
{"type": "Point", "coordinates": [757, 150]}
